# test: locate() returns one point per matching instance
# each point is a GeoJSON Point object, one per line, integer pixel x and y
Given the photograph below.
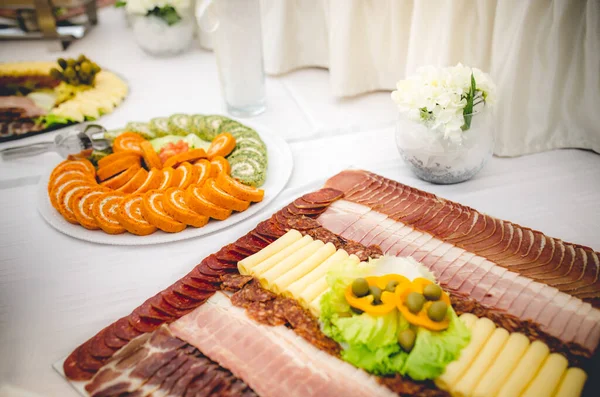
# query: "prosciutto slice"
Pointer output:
{"type": "Point", "coordinates": [273, 360]}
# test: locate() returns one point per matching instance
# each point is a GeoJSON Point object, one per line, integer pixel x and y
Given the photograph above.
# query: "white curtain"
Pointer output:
{"type": "Point", "coordinates": [544, 56]}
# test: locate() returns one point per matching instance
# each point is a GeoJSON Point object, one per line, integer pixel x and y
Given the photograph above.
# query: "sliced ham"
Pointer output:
{"type": "Point", "coordinates": [28, 106]}
{"type": "Point", "coordinates": [419, 242]}
{"type": "Point", "coordinates": [274, 361]}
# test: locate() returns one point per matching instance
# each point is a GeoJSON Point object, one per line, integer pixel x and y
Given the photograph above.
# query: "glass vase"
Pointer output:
{"type": "Point", "coordinates": [157, 38]}
{"type": "Point", "coordinates": [442, 160]}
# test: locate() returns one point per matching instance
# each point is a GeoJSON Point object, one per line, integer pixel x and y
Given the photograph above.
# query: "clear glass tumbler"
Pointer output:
{"type": "Point", "coordinates": [238, 47]}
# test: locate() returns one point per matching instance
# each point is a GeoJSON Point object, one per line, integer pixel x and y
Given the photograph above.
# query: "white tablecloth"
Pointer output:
{"type": "Point", "coordinates": [56, 291]}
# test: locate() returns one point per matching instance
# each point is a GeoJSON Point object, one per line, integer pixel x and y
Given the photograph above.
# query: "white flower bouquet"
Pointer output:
{"type": "Point", "coordinates": [171, 11]}
{"type": "Point", "coordinates": [445, 99]}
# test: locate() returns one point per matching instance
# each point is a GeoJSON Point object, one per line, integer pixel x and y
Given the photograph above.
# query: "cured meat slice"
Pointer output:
{"type": "Point", "coordinates": [382, 236]}
{"type": "Point", "coordinates": [73, 370]}
{"type": "Point", "coordinates": [359, 229]}
{"type": "Point", "coordinates": [376, 231]}
{"type": "Point", "coordinates": [98, 346]}
{"type": "Point", "coordinates": [426, 248]}
{"type": "Point", "coordinates": [464, 273]}
{"type": "Point", "coordinates": [225, 334]}
{"type": "Point", "coordinates": [419, 242]}
{"type": "Point", "coordinates": [124, 329]}
{"type": "Point", "coordinates": [348, 181]}
{"type": "Point", "coordinates": [401, 244]}
{"type": "Point", "coordinates": [454, 267]}
{"type": "Point", "coordinates": [555, 263]}
{"type": "Point", "coordinates": [397, 235]}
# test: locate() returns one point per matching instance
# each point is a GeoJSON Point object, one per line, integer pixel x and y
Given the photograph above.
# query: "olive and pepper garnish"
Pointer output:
{"type": "Point", "coordinates": [391, 285]}
{"type": "Point", "coordinates": [437, 311]}
{"type": "Point", "coordinates": [432, 292]}
{"type": "Point", "coordinates": [376, 292]}
{"type": "Point", "coordinates": [414, 302]}
{"type": "Point", "coordinates": [80, 71]}
{"type": "Point", "coordinates": [406, 339]}
{"type": "Point", "coordinates": [360, 287]}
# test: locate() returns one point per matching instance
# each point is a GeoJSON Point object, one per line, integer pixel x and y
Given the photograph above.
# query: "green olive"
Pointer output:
{"type": "Point", "coordinates": [70, 62]}
{"type": "Point", "coordinates": [391, 285]}
{"type": "Point", "coordinates": [70, 73]}
{"type": "Point", "coordinates": [376, 292]}
{"type": "Point", "coordinates": [437, 311]}
{"type": "Point", "coordinates": [360, 287]}
{"type": "Point", "coordinates": [406, 339]}
{"type": "Point", "coordinates": [356, 310]}
{"type": "Point", "coordinates": [86, 67]}
{"type": "Point", "coordinates": [95, 67]}
{"type": "Point", "coordinates": [55, 73]}
{"type": "Point", "coordinates": [81, 58]}
{"type": "Point", "coordinates": [432, 292]}
{"type": "Point", "coordinates": [415, 302]}
{"type": "Point", "coordinates": [62, 63]}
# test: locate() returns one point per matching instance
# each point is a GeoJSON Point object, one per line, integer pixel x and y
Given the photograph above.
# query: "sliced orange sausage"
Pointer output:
{"type": "Point", "coordinates": [186, 174]}
{"type": "Point", "coordinates": [121, 179]}
{"type": "Point", "coordinates": [168, 179]}
{"type": "Point", "coordinates": [128, 141]}
{"type": "Point", "coordinates": [219, 164]}
{"type": "Point", "coordinates": [134, 183]}
{"type": "Point", "coordinates": [83, 202]}
{"type": "Point", "coordinates": [221, 145]}
{"type": "Point", "coordinates": [216, 195]}
{"type": "Point", "coordinates": [175, 205]}
{"type": "Point", "coordinates": [116, 156]}
{"type": "Point", "coordinates": [190, 156]}
{"type": "Point", "coordinates": [154, 213]}
{"type": "Point", "coordinates": [104, 211]}
{"type": "Point", "coordinates": [239, 190]}
{"type": "Point", "coordinates": [112, 169]}
{"type": "Point", "coordinates": [204, 170]}
{"type": "Point", "coordinates": [198, 203]}
{"type": "Point", "coordinates": [153, 181]}
{"type": "Point", "coordinates": [130, 216]}
{"type": "Point", "coordinates": [150, 156]}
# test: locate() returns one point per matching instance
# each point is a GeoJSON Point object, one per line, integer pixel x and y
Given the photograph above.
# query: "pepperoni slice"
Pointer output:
{"type": "Point", "coordinates": [143, 324]}
{"type": "Point", "coordinates": [198, 284]}
{"type": "Point", "coordinates": [104, 211]}
{"type": "Point", "coordinates": [268, 229]}
{"type": "Point", "coordinates": [149, 312]}
{"type": "Point", "coordinates": [159, 303]}
{"type": "Point", "coordinates": [128, 141]}
{"type": "Point", "coordinates": [175, 205]}
{"type": "Point", "coordinates": [204, 171]}
{"type": "Point", "coordinates": [220, 266]}
{"type": "Point", "coordinates": [190, 156]}
{"type": "Point", "coordinates": [228, 254]}
{"type": "Point", "coordinates": [154, 213]}
{"type": "Point", "coordinates": [179, 301]}
{"type": "Point", "coordinates": [198, 203]}
{"type": "Point", "coordinates": [86, 361]}
{"type": "Point", "coordinates": [72, 369]}
{"type": "Point", "coordinates": [124, 329]}
{"type": "Point", "coordinates": [121, 179]}
{"type": "Point", "coordinates": [153, 181]}
{"type": "Point", "coordinates": [134, 183]}
{"type": "Point", "coordinates": [129, 215]}
{"type": "Point", "coordinates": [191, 292]}
{"type": "Point", "coordinates": [115, 167]}
{"type": "Point", "coordinates": [98, 347]}
{"type": "Point", "coordinates": [83, 202]}
{"type": "Point", "coordinates": [113, 341]}
{"type": "Point", "coordinates": [324, 196]}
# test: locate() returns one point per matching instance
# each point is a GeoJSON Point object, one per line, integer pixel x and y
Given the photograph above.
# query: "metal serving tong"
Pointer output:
{"type": "Point", "coordinates": [73, 141]}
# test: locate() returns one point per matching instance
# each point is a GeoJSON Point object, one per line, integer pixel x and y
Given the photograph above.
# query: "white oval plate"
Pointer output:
{"type": "Point", "coordinates": [279, 171]}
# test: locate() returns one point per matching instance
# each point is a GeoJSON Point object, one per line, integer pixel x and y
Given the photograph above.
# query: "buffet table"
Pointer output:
{"type": "Point", "coordinates": [57, 291]}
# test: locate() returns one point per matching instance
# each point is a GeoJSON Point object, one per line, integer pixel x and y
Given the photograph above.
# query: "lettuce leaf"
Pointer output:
{"type": "Point", "coordinates": [193, 141]}
{"type": "Point", "coordinates": [50, 120]}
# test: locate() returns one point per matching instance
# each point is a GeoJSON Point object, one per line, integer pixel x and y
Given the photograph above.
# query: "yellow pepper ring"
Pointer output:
{"type": "Point", "coordinates": [421, 319]}
{"type": "Point", "coordinates": [388, 299]}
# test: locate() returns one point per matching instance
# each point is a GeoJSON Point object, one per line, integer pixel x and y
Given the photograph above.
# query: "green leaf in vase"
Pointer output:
{"type": "Point", "coordinates": [468, 110]}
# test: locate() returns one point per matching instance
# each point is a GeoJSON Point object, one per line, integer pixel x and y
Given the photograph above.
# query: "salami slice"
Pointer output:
{"type": "Point", "coordinates": [190, 292]}
{"type": "Point", "coordinates": [86, 361]}
{"type": "Point", "coordinates": [324, 196]}
{"type": "Point", "coordinates": [281, 220]}
{"type": "Point", "coordinates": [263, 313]}
{"type": "Point", "coordinates": [229, 254]}
{"type": "Point", "coordinates": [98, 347]}
{"type": "Point", "coordinates": [162, 305]}
{"type": "Point", "coordinates": [113, 341]}
{"type": "Point", "coordinates": [198, 284]}
{"type": "Point", "coordinates": [303, 223]}
{"type": "Point", "coordinates": [300, 203]}
{"type": "Point", "coordinates": [72, 369]}
{"type": "Point", "coordinates": [285, 211]}
{"type": "Point", "coordinates": [269, 229]}
{"type": "Point", "coordinates": [148, 311]}
{"type": "Point", "coordinates": [293, 209]}
{"type": "Point", "coordinates": [221, 266]}
{"type": "Point", "coordinates": [234, 282]}
{"type": "Point", "coordinates": [266, 240]}
{"type": "Point", "coordinates": [143, 324]}
{"type": "Point", "coordinates": [207, 271]}
{"type": "Point", "coordinates": [179, 301]}
{"type": "Point", "coordinates": [250, 243]}
{"type": "Point", "coordinates": [200, 271]}
{"type": "Point", "coordinates": [124, 330]}
{"type": "Point", "coordinates": [311, 212]}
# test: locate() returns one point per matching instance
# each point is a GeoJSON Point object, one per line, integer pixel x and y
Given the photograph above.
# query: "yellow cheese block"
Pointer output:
{"type": "Point", "coordinates": [502, 366]}
{"type": "Point", "coordinates": [488, 354]}
{"type": "Point", "coordinates": [312, 292]}
{"type": "Point", "coordinates": [296, 288]}
{"type": "Point", "coordinates": [276, 246]}
{"type": "Point", "coordinates": [264, 266]}
{"type": "Point", "coordinates": [268, 278]}
{"type": "Point", "coordinates": [548, 377]}
{"type": "Point", "coordinates": [480, 332]}
{"type": "Point", "coordinates": [468, 319]}
{"type": "Point", "coordinates": [304, 267]}
{"type": "Point", "coordinates": [525, 371]}
{"type": "Point", "coordinates": [572, 383]}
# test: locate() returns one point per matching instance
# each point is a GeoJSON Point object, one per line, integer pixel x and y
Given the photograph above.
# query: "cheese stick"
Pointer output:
{"type": "Point", "coordinates": [276, 246]}
{"type": "Point", "coordinates": [296, 288]}
{"type": "Point", "coordinates": [525, 370]}
{"type": "Point", "coordinates": [315, 305]}
{"type": "Point", "coordinates": [501, 368]}
{"type": "Point", "coordinates": [313, 291]}
{"type": "Point", "coordinates": [548, 377]}
{"type": "Point", "coordinates": [281, 255]}
{"type": "Point", "coordinates": [572, 383]}
{"type": "Point", "coordinates": [481, 331]}
{"type": "Point", "coordinates": [466, 385]}
{"type": "Point", "coordinates": [468, 319]}
{"type": "Point", "coordinates": [268, 277]}
{"type": "Point", "coordinates": [283, 281]}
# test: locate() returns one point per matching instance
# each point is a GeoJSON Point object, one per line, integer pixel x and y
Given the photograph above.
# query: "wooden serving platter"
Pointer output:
{"type": "Point", "coordinates": [520, 279]}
